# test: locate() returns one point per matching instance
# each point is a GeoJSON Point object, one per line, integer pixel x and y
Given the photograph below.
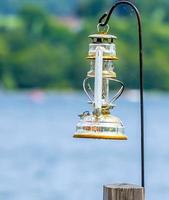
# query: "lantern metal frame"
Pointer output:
{"type": "Point", "coordinates": [103, 21]}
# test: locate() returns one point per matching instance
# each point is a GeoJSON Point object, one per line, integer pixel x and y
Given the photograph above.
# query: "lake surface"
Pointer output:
{"type": "Point", "coordinates": [39, 159]}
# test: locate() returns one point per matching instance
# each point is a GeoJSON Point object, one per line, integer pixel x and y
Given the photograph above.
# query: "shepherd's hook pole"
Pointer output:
{"type": "Point", "coordinates": [103, 22]}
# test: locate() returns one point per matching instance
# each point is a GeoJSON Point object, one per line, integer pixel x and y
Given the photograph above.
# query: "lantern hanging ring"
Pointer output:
{"type": "Point", "coordinates": [104, 29]}
{"type": "Point", "coordinates": [103, 21]}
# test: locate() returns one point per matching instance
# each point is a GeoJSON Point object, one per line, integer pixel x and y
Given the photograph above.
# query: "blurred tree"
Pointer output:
{"type": "Point", "coordinates": [41, 65]}
{"type": "Point", "coordinates": [34, 19]}
{"type": "Point", "coordinates": [41, 50]}
{"type": "Point", "coordinates": [90, 8]}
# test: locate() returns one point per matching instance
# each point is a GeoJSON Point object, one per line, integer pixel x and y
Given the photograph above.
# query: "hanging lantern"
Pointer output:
{"type": "Point", "coordinates": [100, 124]}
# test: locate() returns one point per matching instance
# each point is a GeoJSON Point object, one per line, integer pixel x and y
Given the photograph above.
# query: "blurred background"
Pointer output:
{"type": "Point", "coordinates": [43, 49]}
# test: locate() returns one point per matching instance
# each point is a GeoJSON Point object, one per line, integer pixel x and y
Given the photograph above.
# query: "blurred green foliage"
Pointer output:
{"type": "Point", "coordinates": [41, 50]}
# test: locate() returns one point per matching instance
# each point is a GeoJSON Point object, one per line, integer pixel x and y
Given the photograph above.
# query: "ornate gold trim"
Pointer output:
{"type": "Point", "coordinates": [104, 57]}
{"type": "Point", "coordinates": [100, 136]}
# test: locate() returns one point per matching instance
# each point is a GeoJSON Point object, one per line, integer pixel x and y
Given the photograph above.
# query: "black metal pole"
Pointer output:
{"type": "Point", "coordinates": [103, 23]}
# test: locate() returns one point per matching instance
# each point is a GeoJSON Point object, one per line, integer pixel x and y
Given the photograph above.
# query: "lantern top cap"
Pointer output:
{"type": "Point", "coordinates": [102, 35]}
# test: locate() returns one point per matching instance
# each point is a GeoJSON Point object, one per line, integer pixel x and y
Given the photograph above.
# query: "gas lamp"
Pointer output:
{"type": "Point", "coordinates": [100, 124]}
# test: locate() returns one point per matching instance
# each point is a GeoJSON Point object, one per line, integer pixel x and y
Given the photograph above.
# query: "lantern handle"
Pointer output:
{"type": "Point", "coordinates": [90, 90]}
{"type": "Point", "coordinates": [120, 91]}
{"type": "Point", "coordinates": [103, 21]}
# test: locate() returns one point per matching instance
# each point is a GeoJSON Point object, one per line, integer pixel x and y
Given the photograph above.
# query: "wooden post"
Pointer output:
{"type": "Point", "coordinates": [123, 192]}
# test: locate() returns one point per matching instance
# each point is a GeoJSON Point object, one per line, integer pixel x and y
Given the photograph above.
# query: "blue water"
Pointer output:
{"type": "Point", "coordinates": [39, 159]}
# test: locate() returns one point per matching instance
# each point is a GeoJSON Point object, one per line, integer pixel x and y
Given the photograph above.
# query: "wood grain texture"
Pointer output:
{"type": "Point", "coordinates": [123, 192]}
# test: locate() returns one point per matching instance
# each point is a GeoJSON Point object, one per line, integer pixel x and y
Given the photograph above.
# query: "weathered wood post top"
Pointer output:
{"type": "Point", "coordinates": [123, 192]}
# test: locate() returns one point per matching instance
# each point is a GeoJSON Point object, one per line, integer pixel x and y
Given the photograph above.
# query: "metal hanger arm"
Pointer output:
{"type": "Point", "coordinates": [103, 22]}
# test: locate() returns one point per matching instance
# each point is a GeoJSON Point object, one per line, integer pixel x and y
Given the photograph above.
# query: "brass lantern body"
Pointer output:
{"type": "Point", "coordinates": [104, 127]}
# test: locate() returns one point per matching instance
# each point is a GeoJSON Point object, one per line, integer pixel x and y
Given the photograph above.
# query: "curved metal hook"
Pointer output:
{"type": "Point", "coordinates": [108, 15]}
{"type": "Point", "coordinates": [102, 17]}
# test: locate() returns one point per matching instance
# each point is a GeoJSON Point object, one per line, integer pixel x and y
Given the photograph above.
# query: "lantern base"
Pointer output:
{"type": "Point", "coordinates": [102, 127]}
{"type": "Point", "coordinates": [100, 136]}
